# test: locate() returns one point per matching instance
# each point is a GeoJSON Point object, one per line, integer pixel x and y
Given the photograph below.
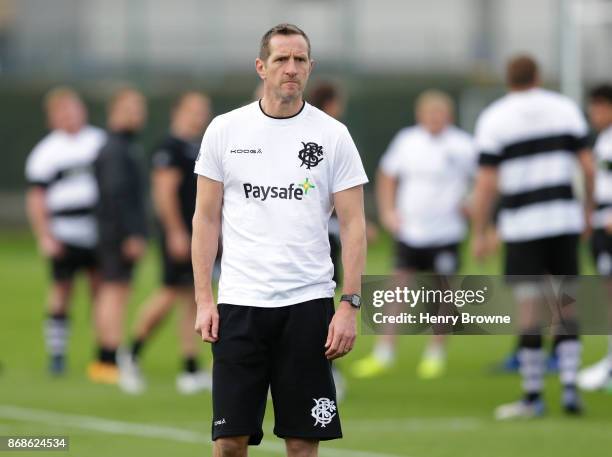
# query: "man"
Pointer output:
{"type": "Point", "coordinates": [270, 175]}
{"type": "Point", "coordinates": [530, 141]}
{"type": "Point", "coordinates": [174, 192]}
{"type": "Point", "coordinates": [122, 225]}
{"type": "Point", "coordinates": [421, 187]}
{"type": "Point", "coordinates": [599, 375]}
{"type": "Point", "coordinates": [60, 206]}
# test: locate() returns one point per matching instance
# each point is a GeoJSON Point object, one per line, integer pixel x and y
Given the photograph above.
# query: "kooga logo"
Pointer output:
{"type": "Point", "coordinates": [246, 151]}
{"type": "Point", "coordinates": [291, 192]}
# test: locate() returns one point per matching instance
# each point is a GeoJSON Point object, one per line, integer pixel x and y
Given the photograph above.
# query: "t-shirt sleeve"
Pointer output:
{"type": "Point", "coordinates": [165, 156]}
{"type": "Point", "coordinates": [579, 129]}
{"type": "Point", "coordinates": [470, 156]}
{"type": "Point", "coordinates": [488, 145]}
{"type": "Point", "coordinates": [348, 169]}
{"type": "Point", "coordinates": [39, 171]}
{"type": "Point", "coordinates": [390, 163]}
{"type": "Point", "coordinates": [209, 162]}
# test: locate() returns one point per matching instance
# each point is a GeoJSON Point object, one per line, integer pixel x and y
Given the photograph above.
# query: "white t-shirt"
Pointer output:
{"type": "Point", "coordinates": [433, 174]}
{"type": "Point", "coordinates": [279, 177]}
{"type": "Point", "coordinates": [603, 179]}
{"type": "Point", "coordinates": [532, 136]}
{"type": "Point", "coordinates": [63, 164]}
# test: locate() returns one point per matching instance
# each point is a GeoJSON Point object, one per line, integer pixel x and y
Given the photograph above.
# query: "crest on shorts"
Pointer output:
{"type": "Point", "coordinates": [311, 155]}
{"type": "Point", "coordinates": [323, 411]}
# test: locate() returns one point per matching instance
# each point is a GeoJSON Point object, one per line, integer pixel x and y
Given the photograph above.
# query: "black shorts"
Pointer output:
{"type": "Point", "coordinates": [556, 255]}
{"type": "Point", "coordinates": [281, 348]}
{"type": "Point", "coordinates": [601, 248]}
{"type": "Point", "coordinates": [114, 266]}
{"type": "Point", "coordinates": [73, 259]}
{"type": "Point", "coordinates": [438, 259]}
{"type": "Point", "coordinates": [174, 273]}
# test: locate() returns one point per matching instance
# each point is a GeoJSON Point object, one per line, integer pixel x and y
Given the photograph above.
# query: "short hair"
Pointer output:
{"type": "Point", "coordinates": [434, 96]}
{"type": "Point", "coordinates": [601, 94]}
{"type": "Point", "coordinates": [57, 94]}
{"type": "Point", "coordinates": [120, 94]}
{"type": "Point", "coordinates": [280, 29]}
{"type": "Point", "coordinates": [322, 94]}
{"type": "Point", "coordinates": [521, 71]}
{"type": "Point", "coordinates": [178, 102]}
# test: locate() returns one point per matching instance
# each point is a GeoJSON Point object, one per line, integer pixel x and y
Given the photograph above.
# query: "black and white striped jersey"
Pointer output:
{"type": "Point", "coordinates": [532, 136]}
{"type": "Point", "coordinates": [603, 180]}
{"type": "Point", "coordinates": [62, 163]}
{"type": "Point", "coordinates": [433, 174]}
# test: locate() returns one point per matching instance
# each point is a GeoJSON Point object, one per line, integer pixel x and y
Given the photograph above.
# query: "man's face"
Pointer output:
{"type": "Point", "coordinates": [285, 72]}
{"type": "Point", "coordinates": [193, 115]}
{"type": "Point", "coordinates": [68, 114]}
{"type": "Point", "coordinates": [130, 112]}
{"type": "Point", "coordinates": [434, 117]}
{"type": "Point", "coordinates": [600, 114]}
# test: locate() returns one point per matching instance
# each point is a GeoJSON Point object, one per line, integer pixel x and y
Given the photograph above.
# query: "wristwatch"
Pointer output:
{"type": "Point", "coordinates": [354, 300]}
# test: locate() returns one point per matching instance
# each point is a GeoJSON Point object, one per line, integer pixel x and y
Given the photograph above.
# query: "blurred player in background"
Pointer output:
{"type": "Point", "coordinates": [121, 223]}
{"type": "Point", "coordinates": [174, 192]}
{"type": "Point", "coordinates": [60, 206]}
{"type": "Point", "coordinates": [530, 142]}
{"type": "Point", "coordinates": [328, 98]}
{"type": "Point", "coordinates": [599, 375]}
{"type": "Point", "coordinates": [421, 188]}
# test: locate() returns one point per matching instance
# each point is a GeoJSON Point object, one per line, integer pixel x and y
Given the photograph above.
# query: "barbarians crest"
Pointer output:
{"type": "Point", "coordinates": [311, 155]}
{"type": "Point", "coordinates": [323, 411]}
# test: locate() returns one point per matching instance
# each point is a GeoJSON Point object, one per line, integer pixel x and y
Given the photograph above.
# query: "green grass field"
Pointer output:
{"type": "Point", "coordinates": [394, 415]}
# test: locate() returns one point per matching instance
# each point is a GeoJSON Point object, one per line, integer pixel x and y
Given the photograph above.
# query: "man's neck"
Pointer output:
{"type": "Point", "coordinates": [519, 89]}
{"type": "Point", "coordinates": [182, 134]}
{"type": "Point", "coordinates": [280, 108]}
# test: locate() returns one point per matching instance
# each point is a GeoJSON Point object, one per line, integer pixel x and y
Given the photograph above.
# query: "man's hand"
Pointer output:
{"type": "Point", "coordinates": [391, 221]}
{"type": "Point", "coordinates": [342, 331]}
{"type": "Point", "coordinates": [587, 232]}
{"type": "Point", "coordinates": [133, 247]}
{"type": "Point", "coordinates": [49, 246]}
{"type": "Point", "coordinates": [178, 244]}
{"type": "Point", "coordinates": [608, 225]}
{"type": "Point", "coordinates": [207, 322]}
{"type": "Point", "coordinates": [480, 246]}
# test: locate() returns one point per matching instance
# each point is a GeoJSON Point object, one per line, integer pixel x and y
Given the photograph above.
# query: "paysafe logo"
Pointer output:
{"type": "Point", "coordinates": [290, 192]}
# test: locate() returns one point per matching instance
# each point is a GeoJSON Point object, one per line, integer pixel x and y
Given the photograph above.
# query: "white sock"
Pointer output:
{"type": "Point", "coordinates": [384, 352]}
{"type": "Point", "coordinates": [532, 367]}
{"type": "Point", "coordinates": [435, 351]}
{"type": "Point", "coordinates": [569, 361]}
{"type": "Point", "coordinates": [56, 335]}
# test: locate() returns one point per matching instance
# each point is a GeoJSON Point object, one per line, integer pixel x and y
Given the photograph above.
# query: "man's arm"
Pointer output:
{"type": "Point", "coordinates": [587, 163]}
{"type": "Point", "coordinates": [485, 192]}
{"type": "Point", "coordinates": [206, 230]}
{"type": "Point", "coordinates": [343, 327]}
{"type": "Point", "coordinates": [39, 219]}
{"type": "Point", "coordinates": [386, 189]}
{"type": "Point", "coordinates": [166, 182]}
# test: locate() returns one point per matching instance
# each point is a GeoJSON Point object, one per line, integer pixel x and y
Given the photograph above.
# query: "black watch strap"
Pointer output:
{"type": "Point", "coordinates": [354, 300]}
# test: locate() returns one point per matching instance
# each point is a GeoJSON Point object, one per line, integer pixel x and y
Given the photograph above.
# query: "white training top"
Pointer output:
{"type": "Point", "coordinates": [433, 174]}
{"type": "Point", "coordinates": [532, 136]}
{"type": "Point", "coordinates": [603, 180]}
{"type": "Point", "coordinates": [279, 177]}
{"type": "Point", "coordinates": [63, 164]}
